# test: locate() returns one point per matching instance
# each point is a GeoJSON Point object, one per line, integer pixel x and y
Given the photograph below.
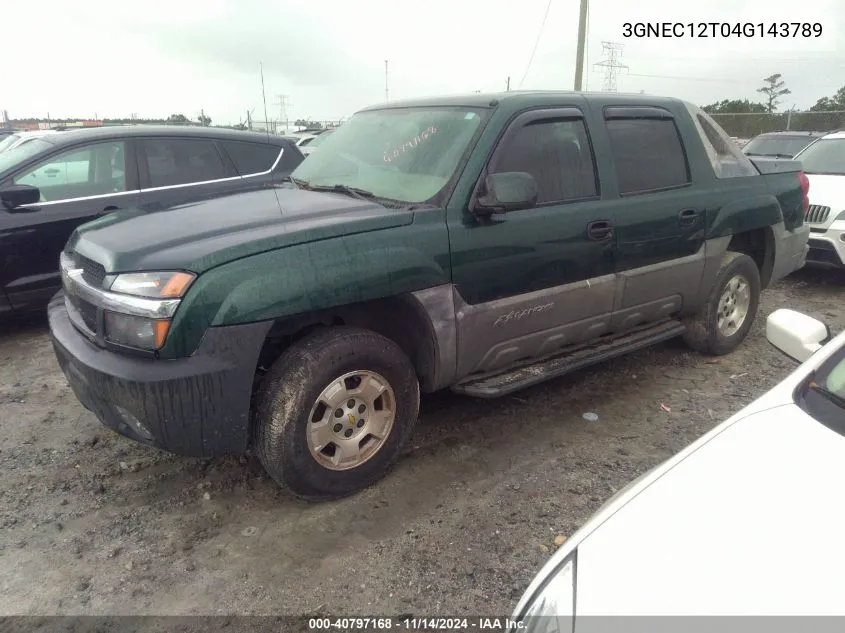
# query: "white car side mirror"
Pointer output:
{"type": "Point", "coordinates": [795, 334]}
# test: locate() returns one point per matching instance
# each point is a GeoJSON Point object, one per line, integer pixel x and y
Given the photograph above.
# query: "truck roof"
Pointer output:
{"type": "Point", "coordinates": [517, 97]}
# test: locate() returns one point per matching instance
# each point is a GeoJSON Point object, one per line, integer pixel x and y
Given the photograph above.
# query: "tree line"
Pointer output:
{"type": "Point", "coordinates": [773, 90]}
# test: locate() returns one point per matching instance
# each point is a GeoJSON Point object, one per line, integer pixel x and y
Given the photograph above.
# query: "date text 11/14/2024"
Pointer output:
{"type": "Point", "coordinates": [777, 30]}
{"type": "Point", "coordinates": [415, 624]}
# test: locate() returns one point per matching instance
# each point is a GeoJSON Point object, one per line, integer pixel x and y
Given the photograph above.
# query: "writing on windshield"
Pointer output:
{"type": "Point", "coordinates": [408, 145]}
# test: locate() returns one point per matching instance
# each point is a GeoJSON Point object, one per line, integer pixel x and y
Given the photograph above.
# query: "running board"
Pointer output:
{"type": "Point", "coordinates": [493, 385]}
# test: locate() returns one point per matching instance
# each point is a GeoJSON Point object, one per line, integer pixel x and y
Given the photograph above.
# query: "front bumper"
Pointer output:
{"type": "Point", "coordinates": [827, 249]}
{"type": "Point", "coordinates": [197, 406]}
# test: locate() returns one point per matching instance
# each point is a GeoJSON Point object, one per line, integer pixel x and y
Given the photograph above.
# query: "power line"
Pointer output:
{"type": "Point", "coordinates": [711, 79]}
{"type": "Point", "coordinates": [610, 63]}
{"type": "Point", "coordinates": [536, 42]}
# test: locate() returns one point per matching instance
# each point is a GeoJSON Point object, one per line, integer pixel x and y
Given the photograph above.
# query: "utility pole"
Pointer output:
{"type": "Point", "coordinates": [610, 63]}
{"type": "Point", "coordinates": [385, 81]}
{"type": "Point", "coordinates": [509, 85]}
{"type": "Point", "coordinates": [582, 39]}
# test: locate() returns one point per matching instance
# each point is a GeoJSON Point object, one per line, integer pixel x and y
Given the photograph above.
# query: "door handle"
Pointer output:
{"type": "Point", "coordinates": [688, 217]}
{"type": "Point", "coordinates": [600, 230]}
{"type": "Point", "coordinates": [109, 209]}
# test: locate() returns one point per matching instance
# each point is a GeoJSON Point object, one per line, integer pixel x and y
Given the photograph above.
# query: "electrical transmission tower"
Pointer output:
{"type": "Point", "coordinates": [283, 110]}
{"type": "Point", "coordinates": [612, 52]}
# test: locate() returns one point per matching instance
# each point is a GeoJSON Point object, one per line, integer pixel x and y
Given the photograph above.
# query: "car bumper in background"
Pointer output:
{"type": "Point", "coordinates": [196, 406]}
{"type": "Point", "coordinates": [828, 249]}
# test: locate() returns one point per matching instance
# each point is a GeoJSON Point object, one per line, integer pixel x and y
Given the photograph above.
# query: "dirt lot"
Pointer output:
{"type": "Point", "coordinates": [91, 523]}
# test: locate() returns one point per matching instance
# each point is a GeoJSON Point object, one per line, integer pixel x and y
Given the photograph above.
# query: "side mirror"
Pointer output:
{"type": "Point", "coordinates": [507, 191]}
{"type": "Point", "coordinates": [795, 334]}
{"type": "Point", "coordinates": [16, 195]}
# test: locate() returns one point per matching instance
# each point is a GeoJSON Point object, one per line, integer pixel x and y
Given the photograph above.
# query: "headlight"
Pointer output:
{"type": "Point", "coordinates": [552, 609]}
{"type": "Point", "coordinates": [841, 216]}
{"type": "Point", "coordinates": [166, 285]}
{"type": "Point", "coordinates": [145, 332]}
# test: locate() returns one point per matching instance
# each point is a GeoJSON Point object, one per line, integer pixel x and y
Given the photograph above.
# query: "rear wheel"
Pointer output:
{"type": "Point", "coordinates": [334, 411]}
{"type": "Point", "coordinates": [725, 319]}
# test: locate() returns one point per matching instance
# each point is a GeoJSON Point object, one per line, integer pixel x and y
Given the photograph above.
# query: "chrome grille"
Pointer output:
{"type": "Point", "coordinates": [94, 272]}
{"type": "Point", "coordinates": [817, 214]}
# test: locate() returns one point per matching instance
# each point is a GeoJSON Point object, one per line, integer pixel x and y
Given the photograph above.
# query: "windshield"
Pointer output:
{"type": "Point", "coordinates": [826, 156]}
{"type": "Point", "coordinates": [409, 155]}
{"type": "Point", "coordinates": [822, 395]}
{"type": "Point", "coordinates": [13, 157]}
{"type": "Point", "coordinates": [775, 145]}
{"type": "Point", "coordinates": [8, 141]}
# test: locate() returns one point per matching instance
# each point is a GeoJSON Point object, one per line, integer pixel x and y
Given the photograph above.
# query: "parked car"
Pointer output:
{"type": "Point", "coordinates": [780, 144]}
{"type": "Point", "coordinates": [52, 184]}
{"type": "Point", "coordinates": [19, 138]}
{"type": "Point", "coordinates": [824, 164]}
{"type": "Point", "coordinates": [741, 142]}
{"type": "Point", "coordinates": [478, 243]}
{"type": "Point", "coordinates": [306, 137]}
{"type": "Point", "coordinates": [700, 534]}
{"type": "Point", "coordinates": [317, 141]}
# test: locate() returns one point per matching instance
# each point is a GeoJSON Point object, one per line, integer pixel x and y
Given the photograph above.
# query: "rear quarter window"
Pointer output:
{"type": "Point", "coordinates": [251, 158]}
{"type": "Point", "coordinates": [725, 155]}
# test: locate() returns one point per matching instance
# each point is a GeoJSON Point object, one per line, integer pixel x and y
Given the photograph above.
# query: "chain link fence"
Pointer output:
{"type": "Point", "coordinates": [282, 128]}
{"type": "Point", "coordinates": [745, 125]}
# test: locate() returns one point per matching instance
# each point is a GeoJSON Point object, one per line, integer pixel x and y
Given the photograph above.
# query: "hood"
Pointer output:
{"type": "Point", "coordinates": [202, 234]}
{"type": "Point", "coordinates": [828, 191]}
{"type": "Point", "coordinates": [749, 524]}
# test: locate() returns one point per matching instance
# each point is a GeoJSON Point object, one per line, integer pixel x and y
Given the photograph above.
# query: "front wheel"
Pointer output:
{"type": "Point", "coordinates": [723, 322]}
{"type": "Point", "coordinates": [334, 411]}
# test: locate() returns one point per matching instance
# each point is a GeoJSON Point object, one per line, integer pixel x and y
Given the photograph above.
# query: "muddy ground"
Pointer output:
{"type": "Point", "coordinates": [91, 523]}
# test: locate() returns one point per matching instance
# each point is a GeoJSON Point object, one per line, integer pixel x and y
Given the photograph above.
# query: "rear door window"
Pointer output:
{"type": "Point", "coordinates": [251, 158]}
{"type": "Point", "coordinates": [648, 154]}
{"type": "Point", "coordinates": [179, 161]}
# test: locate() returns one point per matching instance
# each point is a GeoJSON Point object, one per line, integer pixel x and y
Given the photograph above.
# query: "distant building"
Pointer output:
{"type": "Point", "coordinates": [51, 125]}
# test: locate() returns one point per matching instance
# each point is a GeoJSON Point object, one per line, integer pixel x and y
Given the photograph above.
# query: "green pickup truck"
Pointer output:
{"type": "Point", "coordinates": [480, 243]}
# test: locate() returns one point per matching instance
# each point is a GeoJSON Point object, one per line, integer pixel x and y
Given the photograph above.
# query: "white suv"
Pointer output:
{"type": "Point", "coordinates": [824, 163]}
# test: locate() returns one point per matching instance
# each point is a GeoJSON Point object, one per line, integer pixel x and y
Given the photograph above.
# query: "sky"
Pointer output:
{"type": "Point", "coordinates": [160, 57]}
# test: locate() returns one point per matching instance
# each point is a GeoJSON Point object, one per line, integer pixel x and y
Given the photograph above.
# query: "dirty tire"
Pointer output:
{"type": "Point", "coordinates": [702, 333]}
{"type": "Point", "coordinates": [290, 389]}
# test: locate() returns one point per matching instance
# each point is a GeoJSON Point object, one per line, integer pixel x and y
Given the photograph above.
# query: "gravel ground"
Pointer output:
{"type": "Point", "coordinates": [91, 523]}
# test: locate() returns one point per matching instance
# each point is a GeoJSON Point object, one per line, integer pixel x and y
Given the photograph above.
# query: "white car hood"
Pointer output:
{"type": "Point", "coordinates": [827, 191]}
{"type": "Point", "coordinates": [763, 534]}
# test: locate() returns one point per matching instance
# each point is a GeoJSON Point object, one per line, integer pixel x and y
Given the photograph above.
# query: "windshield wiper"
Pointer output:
{"type": "Point", "coordinates": [770, 155]}
{"type": "Point", "coordinates": [835, 398]}
{"type": "Point", "coordinates": [361, 194]}
{"type": "Point", "coordinates": [297, 181]}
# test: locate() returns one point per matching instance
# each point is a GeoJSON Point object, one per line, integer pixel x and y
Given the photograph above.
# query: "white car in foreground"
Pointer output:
{"type": "Point", "coordinates": [824, 165]}
{"type": "Point", "coordinates": [748, 520]}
